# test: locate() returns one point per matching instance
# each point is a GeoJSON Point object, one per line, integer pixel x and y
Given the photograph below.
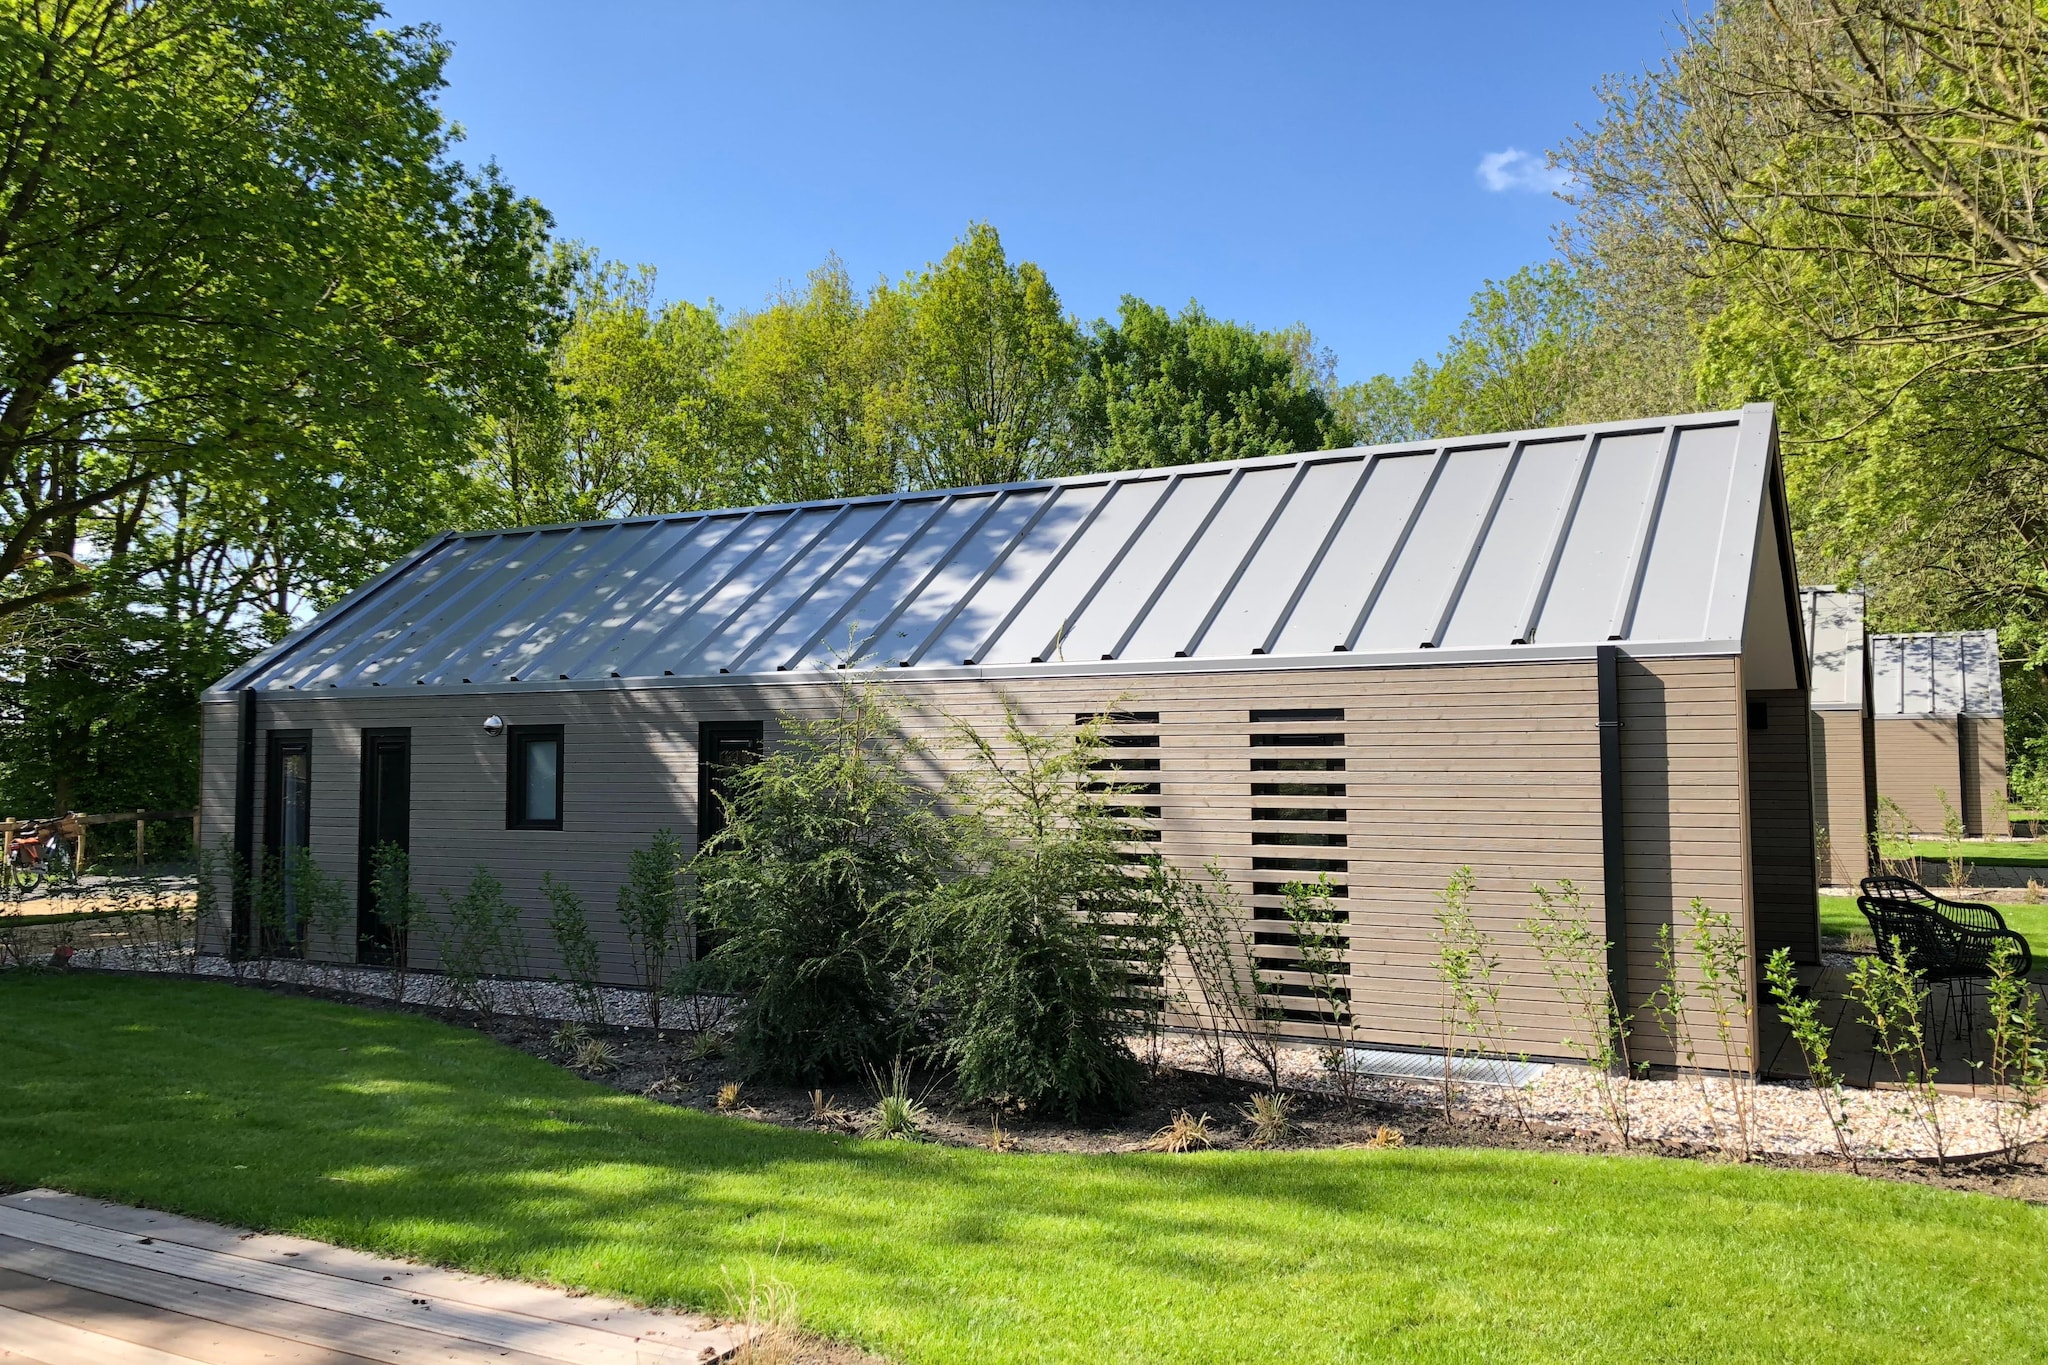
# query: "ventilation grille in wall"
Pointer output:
{"type": "Point", "coordinates": [1299, 834]}
{"type": "Point", "coordinates": [1125, 781]}
{"type": "Point", "coordinates": [1127, 775]}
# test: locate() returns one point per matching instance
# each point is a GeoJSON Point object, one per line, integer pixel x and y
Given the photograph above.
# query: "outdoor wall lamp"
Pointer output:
{"type": "Point", "coordinates": [494, 726]}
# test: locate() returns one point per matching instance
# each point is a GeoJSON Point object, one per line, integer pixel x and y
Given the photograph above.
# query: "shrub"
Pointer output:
{"type": "Point", "coordinates": [1035, 1004]}
{"type": "Point", "coordinates": [478, 937]}
{"type": "Point", "coordinates": [2019, 1065]}
{"type": "Point", "coordinates": [1468, 972]}
{"type": "Point", "coordinates": [1720, 955]}
{"type": "Point", "coordinates": [1576, 959]}
{"type": "Point", "coordinates": [575, 947]}
{"type": "Point", "coordinates": [1895, 856]}
{"type": "Point", "coordinates": [396, 906]}
{"type": "Point", "coordinates": [324, 905]}
{"type": "Point", "coordinates": [651, 912]}
{"type": "Point", "coordinates": [1893, 998]}
{"type": "Point", "coordinates": [826, 846]}
{"type": "Point", "coordinates": [1801, 1016]}
{"type": "Point", "coordinates": [1952, 846]}
{"type": "Point", "coordinates": [1215, 937]}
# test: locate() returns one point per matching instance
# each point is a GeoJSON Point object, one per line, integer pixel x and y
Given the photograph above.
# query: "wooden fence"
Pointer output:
{"type": "Point", "coordinates": [74, 826]}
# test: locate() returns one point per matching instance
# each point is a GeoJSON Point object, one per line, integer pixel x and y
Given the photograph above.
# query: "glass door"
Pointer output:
{"type": "Point", "coordinates": [724, 748]}
{"type": "Point", "coordinates": [287, 835]}
{"type": "Point", "coordinates": [385, 824]}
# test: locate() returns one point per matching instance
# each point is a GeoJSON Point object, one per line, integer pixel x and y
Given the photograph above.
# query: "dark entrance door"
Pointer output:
{"type": "Point", "coordinates": [287, 833]}
{"type": "Point", "coordinates": [386, 820]}
{"type": "Point", "coordinates": [724, 747]}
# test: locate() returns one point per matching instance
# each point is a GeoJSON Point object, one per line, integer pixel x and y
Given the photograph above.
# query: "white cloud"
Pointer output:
{"type": "Point", "coordinates": [1515, 169]}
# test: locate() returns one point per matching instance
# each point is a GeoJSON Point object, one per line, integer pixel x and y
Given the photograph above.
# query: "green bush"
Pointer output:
{"type": "Point", "coordinates": [576, 946]}
{"type": "Point", "coordinates": [1035, 1005]}
{"type": "Point", "coordinates": [651, 911]}
{"type": "Point", "coordinates": [477, 937]}
{"type": "Point", "coordinates": [828, 844]}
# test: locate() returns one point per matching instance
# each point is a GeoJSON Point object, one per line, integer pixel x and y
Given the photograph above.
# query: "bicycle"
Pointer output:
{"type": "Point", "coordinates": [36, 854]}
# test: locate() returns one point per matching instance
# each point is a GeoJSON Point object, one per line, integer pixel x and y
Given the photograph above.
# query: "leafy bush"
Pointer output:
{"type": "Point", "coordinates": [575, 946]}
{"type": "Point", "coordinates": [827, 845]}
{"type": "Point", "coordinates": [1219, 950]}
{"type": "Point", "coordinates": [1035, 1005]}
{"type": "Point", "coordinates": [1561, 931]}
{"type": "Point", "coordinates": [651, 912]}
{"type": "Point", "coordinates": [397, 907]}
{"type": "Point", "coordinates": [478, 937]}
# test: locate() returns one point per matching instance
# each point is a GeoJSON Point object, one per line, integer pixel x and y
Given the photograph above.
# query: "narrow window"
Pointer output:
{"type": "Point", "coordinates": [724, 748]}
{"type": "Point", "coordinates": [1759, 715]}
{"type": "Point", "coordinates": [533, 793]}
{"type": "Point", "coordinates": [287, 831]}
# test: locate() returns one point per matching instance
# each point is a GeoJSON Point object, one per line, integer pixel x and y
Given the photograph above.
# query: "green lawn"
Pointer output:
{"type": "Point", "coordinates": [1985, 853]}
{"type": "Point", "coordinates": [1839, 918]}
{"type": "Point", "coordinates": [405, 1136]}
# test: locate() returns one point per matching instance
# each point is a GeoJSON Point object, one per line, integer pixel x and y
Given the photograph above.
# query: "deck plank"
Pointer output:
{"type": "Point", "coordinates": [182, 1334]}
{"type": "Point", "coordinates": [686, 1332]}
{"type": "Point", "coordinates": [403, 1306]}
{"type": "Point", "coordinates": [60, 1343]}
{"type": "Point", "coordinates": [318, 1327]}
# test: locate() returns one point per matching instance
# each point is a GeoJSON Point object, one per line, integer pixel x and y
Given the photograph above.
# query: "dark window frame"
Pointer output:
{"type": "Point", "coordinates": [517, 737]}
{"type": "Point", "coordinates": [278, 743]}
{"type": "Point", "coordinates": [747, 736]}
{"type": "Point", "coordinates": [373, 940]}
{"type": "Point", "coordinates": [288, 938]}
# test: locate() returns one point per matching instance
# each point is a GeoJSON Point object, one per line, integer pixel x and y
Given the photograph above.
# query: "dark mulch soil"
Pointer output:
{"type": "Point", "coordinates": [667, 1068]}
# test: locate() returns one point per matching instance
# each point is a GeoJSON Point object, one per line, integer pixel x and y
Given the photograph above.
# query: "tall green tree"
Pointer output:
{"type": "Point", "coordinates": [232, 241]}
{"type": "Point", "coordinates": [1854, 189]}
{"type": "Point", "coordinates": [1160, 389]}
{"type": "Point", "coordinates": [635, 425]}
{"type": "Point", "coordinates": [804, 392]}
{"type": "Point", "coordinates": [989, 373]}
{"type": "Point", "coordinates": [252, 313]}
{"type": "Point", "coordinates": [1524, 357]}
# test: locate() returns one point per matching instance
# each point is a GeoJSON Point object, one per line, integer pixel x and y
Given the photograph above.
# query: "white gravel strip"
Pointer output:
{"type": "Point", "coordinates": [624, 1007]}
{"type": "Point", "coordinates": [1786, 1118]}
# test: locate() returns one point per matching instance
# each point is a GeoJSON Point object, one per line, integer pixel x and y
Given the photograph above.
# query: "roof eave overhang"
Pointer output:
{"type": "Point", "coordinates": [1107, 668]}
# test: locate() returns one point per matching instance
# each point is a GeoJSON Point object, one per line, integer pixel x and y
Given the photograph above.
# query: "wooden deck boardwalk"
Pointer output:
{"type": "Point", "coordinates": [86, 1281]}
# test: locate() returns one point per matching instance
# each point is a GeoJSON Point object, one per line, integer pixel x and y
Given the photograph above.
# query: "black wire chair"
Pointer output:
{"type": "Point", "coordinates": [1951, 942]}
{"type": "Point", "coordinates": [1968, 931]}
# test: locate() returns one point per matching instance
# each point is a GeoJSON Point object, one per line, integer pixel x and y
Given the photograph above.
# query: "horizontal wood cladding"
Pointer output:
{"type": "Point", "coordinates": [1919, 761]}
{"type": "Point", "coordinates": [1491, 766]}
{"type": "Point", "coordinates": [1984, 780]}
{"type": "Point", "coordinates": [1685, 809]}
{"type": "Point", "coordinates": [1840, 799]}
{"type": "Point", "coordinates": [1783, 886]}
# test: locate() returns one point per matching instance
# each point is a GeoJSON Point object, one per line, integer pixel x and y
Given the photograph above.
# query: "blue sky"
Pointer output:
{"type": "Point", "coordinates": [1344, 165]}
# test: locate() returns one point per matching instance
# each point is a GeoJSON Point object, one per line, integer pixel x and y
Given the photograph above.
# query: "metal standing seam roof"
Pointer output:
{"type": "Point", "coordinates": [1935, 675]}
{"type": "Point", "coordinates": [1519, 545]}
{"type": "Point", "coordinates": [1834, 646]}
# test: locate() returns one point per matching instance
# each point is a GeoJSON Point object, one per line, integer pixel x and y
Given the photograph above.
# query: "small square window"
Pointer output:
{"type": "Point", "coordinates": [533, 785]}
